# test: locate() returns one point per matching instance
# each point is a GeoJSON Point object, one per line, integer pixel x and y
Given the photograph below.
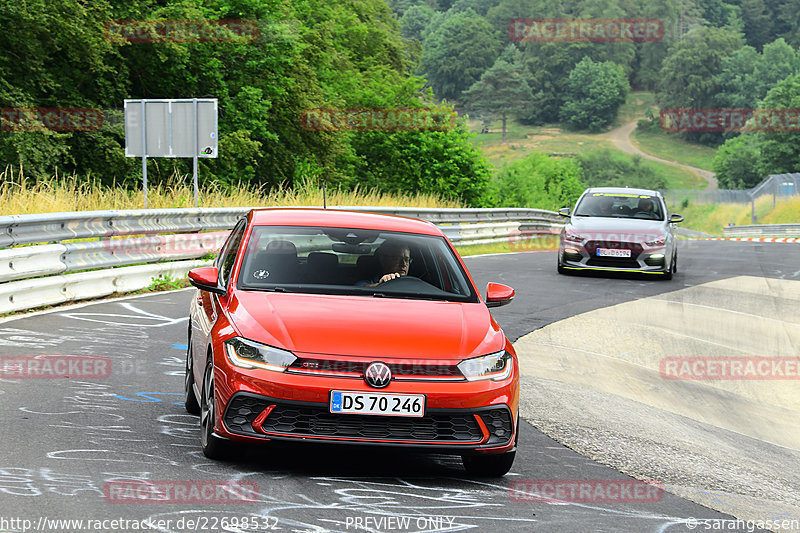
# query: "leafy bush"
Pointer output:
{"type": "Point", "coordinates": [443, 163]}
{"type": "Point", "coordinates": [604, 168]}
{"type": "Point", "coordinates": [738, 163]}
{"type": "Point", "coordinates": [538, 181]}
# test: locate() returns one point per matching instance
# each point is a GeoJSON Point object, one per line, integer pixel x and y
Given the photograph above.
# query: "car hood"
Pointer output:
{"type": "Point", "coordinates": [627, 229]}
{"type": "Point", "coordinates": [366, 326]}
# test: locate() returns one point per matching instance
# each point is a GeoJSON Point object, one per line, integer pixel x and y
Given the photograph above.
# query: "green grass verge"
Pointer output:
{"type": "Point", "coordinates": [548, 243]}
{"type": "Point", "coordinates": [711, 218]}
{"type": "Point", "coordinates": [635, 107]}
{"type": "Point", "coordinates": [521, 141]}
{"type": "Point", "coordinates": [672, 148]}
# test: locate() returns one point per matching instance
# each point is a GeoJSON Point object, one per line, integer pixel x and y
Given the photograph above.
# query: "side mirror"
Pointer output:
{"type": "Point", "coordinates": [674, 219]}
{"type": "Point", "coordinates": [498, 294]}
{"type": "Point", "coordinates": [564, 211]}
{"type": "Point", "coordinates": [206, 279]}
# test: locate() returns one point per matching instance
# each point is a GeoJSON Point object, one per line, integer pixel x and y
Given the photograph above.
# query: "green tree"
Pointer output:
{"type": "Point", "coordinates": [785, 23]}
{"type": "Point", "coordinates": [738, 163]}
{"type": "Point", "coordinates": [478, 6]}
{"type": "Point", "coordinates": [308, 53]}
{"type": "Point", "coordinates": [594, 93]}
{"type": "Point", "coordinates": [780, 151]}
{"type": "Point", "coordinates": [54, 54]}
{"type": "Point", "coordinates": [747, 75]}
{"type": "Point", "coordinates": [758, 22]}
{"type": "Point", "coordinates": [501, 92]}
{"type": "Point", "coordinates": [538, 181]}
{"type": "Point", "coordinates": [457, 52]}
{"type": "Point", "coordinates": [415, 20]}
{"type": "Point", "coordinates": [439, 162]}
{"type": "Point", "coordinates": [688, 71]}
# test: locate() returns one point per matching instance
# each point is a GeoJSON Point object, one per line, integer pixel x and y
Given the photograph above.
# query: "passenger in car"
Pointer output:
{"type": "Point", "coordinates": [394, 260]}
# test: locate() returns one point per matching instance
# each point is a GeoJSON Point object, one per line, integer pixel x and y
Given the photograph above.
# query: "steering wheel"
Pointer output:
{"type": "Point", "coordinates": [401, 282]}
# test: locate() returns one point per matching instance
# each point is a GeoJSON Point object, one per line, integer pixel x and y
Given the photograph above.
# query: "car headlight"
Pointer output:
{"type": "Point", "coordinates": [495, 366]}
{"type": "Point", "coordinates": [245, 353]}
{"type": "Point", "coordinates": [657, 242]}
{"type": "Point", "coordinates": [572, 237]}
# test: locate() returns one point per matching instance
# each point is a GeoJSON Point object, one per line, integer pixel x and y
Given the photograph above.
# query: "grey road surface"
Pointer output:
{"type": "Point", "coordinates": [71, 447]}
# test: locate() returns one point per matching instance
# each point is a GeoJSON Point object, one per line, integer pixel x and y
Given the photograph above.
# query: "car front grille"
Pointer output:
{"type": "Point", "coordinates": [613, 262]}
{"type": "Point", "coordinates": [312, 420]}
{"type": "Point", "coordinates": [357, 368]}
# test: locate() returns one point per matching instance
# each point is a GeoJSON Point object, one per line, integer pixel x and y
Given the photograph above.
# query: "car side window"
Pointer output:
{"type": "Point", "coordinates": [228, 255]}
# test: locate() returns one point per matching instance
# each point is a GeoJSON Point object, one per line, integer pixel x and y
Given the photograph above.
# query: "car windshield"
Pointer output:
{"type": "Point", "coordinates": [352, 261]}
{"type": "Point", "coordinates": [620, 205]}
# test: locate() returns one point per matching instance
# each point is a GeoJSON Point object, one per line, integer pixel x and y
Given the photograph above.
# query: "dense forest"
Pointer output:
{"type": "Point", "coordinates": [309, 54]}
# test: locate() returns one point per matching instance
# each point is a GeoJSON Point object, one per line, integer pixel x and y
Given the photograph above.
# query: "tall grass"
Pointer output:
{"type": "Point", "coordinates": [19, 195]}
{"type": "Point", "coordinates": [711, 218]}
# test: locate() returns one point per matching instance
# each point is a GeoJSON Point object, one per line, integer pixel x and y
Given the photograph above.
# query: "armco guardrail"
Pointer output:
{"type": "Point", "coordinates": [762, 230]}
{"type": "Point", "coordinates": [48, 274]}
{"type": "Point", "coordinates": [56, 227]}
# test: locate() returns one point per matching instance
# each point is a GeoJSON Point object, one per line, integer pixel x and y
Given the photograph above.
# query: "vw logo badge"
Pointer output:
{"type": "Point", "coordinates": [378, 375]}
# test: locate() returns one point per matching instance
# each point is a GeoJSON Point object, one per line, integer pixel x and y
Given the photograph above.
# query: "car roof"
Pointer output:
{"type": "Point", "coordinates": [339, 218]}
{"type": "Point", "coordinates": [622, 190]}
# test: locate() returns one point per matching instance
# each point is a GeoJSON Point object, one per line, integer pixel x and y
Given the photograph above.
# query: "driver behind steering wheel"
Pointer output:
{"type": "Point", "coordinates": [394, 259]}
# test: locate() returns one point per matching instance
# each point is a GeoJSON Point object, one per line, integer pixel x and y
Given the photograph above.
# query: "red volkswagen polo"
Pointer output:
{"type": "Point", "coordinates": [348, 327]}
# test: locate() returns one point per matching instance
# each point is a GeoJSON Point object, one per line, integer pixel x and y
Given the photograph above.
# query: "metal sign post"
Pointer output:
{"type": "Point", "coordinates": [185, 127]}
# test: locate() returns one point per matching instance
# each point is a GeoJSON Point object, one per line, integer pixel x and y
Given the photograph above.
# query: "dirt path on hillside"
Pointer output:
{"type": "Point", "coordinates": [621, 137]}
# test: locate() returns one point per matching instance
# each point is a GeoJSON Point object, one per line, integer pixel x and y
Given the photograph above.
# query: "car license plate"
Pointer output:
{"type": "Point", "coordinates": [613, 252]}
{"type": "Point", "coordinates": [370, 403]}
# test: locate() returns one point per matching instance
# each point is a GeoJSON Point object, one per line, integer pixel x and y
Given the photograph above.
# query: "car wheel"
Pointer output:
{"type": "Point", "coordinates": [190, 400]}
{"type": "Point", "coordinates": [489, 465]}
{"type": "Point", "coordinates": [672, 269]}
{"type": "Point", "coordinates": [213, 446]}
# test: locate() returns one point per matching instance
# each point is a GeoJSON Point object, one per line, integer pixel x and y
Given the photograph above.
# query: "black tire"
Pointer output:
{"type": "Point", "coordinates": [672, 269]}
{"type": "Point", "coordinates": [213, 446]}
{"type": "Point", "coordinates": [190, 399]}
{"type": "Point", "coordinates": [489, 465]}
{"type": "Point", "coordinates": [560, 269]}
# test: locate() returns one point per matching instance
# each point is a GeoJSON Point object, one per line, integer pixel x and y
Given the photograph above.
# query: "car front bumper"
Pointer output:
{"type": "Point", "coordinates": [460, 416]}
